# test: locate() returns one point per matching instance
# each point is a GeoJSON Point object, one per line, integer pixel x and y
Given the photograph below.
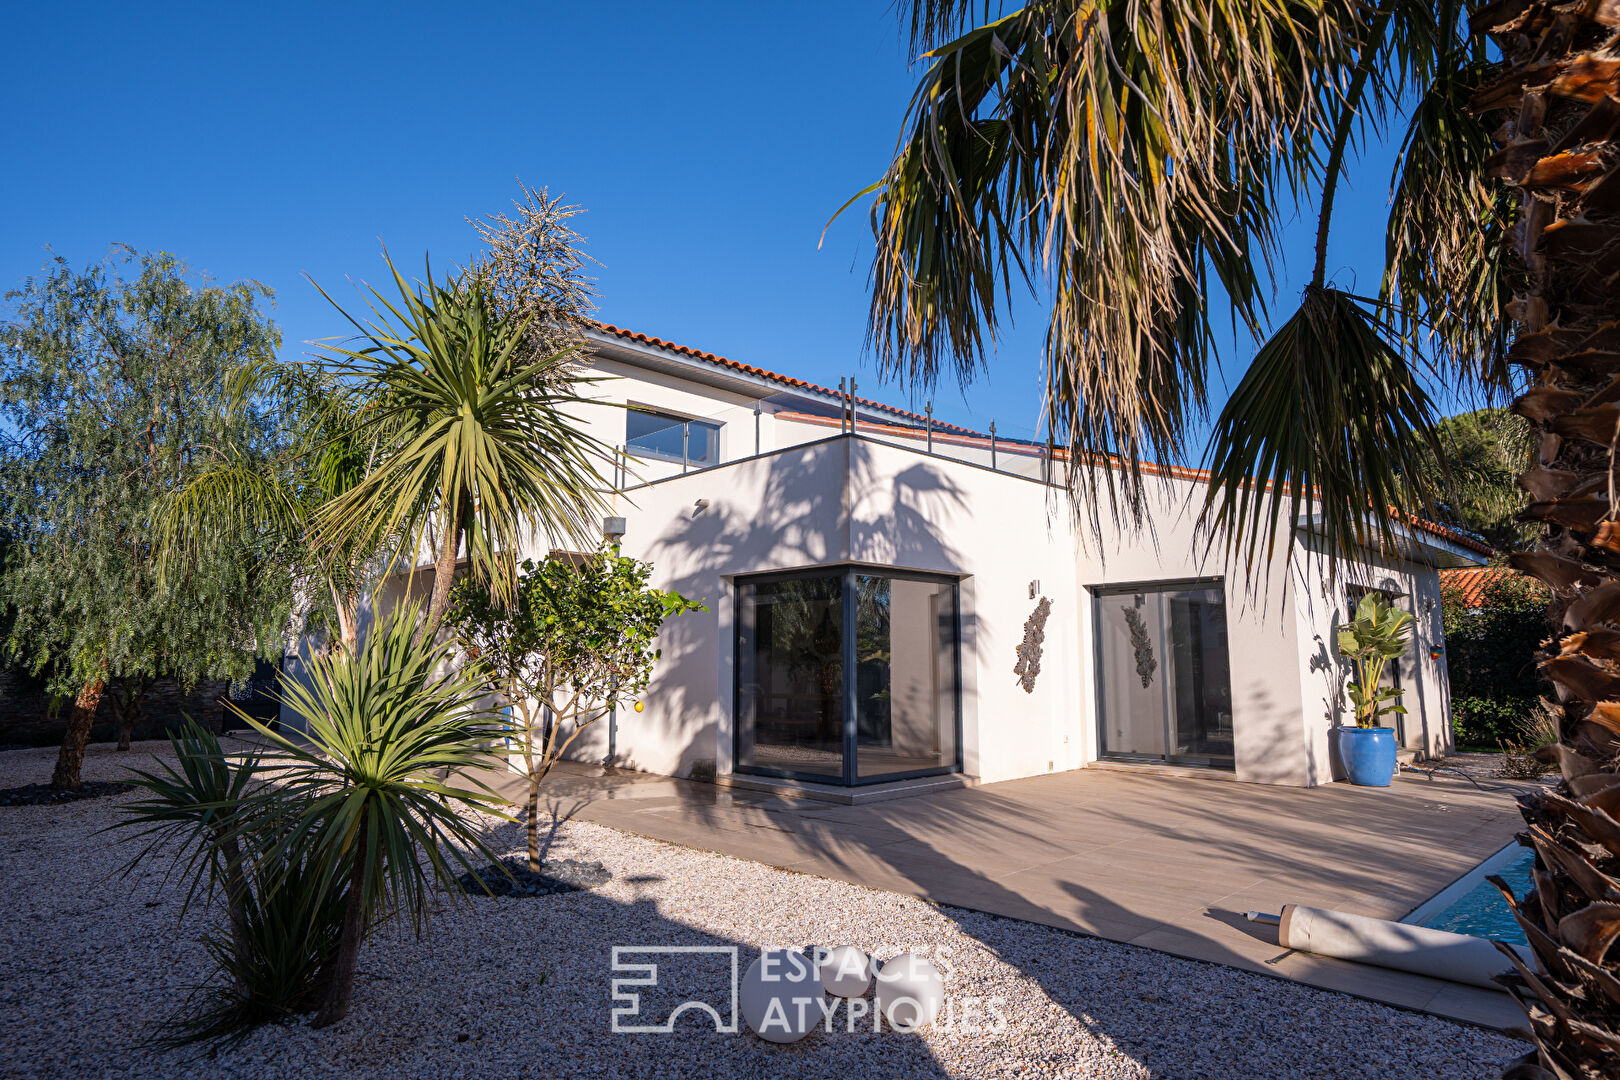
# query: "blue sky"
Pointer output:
{"type": "Point", "coordinates": [709, 142]}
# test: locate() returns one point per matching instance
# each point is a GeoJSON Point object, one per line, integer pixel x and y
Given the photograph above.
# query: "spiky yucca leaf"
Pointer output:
{"type": "Point", "coordinates": [385, 734]}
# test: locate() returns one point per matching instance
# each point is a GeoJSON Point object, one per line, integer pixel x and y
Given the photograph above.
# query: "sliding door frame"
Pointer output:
{"type": "Point", "coordinates": [1167, 714]}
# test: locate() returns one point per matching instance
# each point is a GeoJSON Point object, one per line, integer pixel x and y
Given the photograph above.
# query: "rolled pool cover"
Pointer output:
{"type": "Point", "coordinates": [1420, 950]}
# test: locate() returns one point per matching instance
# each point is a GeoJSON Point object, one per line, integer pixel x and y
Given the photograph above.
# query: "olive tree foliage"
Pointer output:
{"type": "Point", "coordinates": [112, 390]}
{"type": "Point", "coordinates": [575, 640]}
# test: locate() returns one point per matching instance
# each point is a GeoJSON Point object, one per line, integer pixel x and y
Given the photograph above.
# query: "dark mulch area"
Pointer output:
{"type": "Point", "coordinates": [45, 795]}
{"type": "Point", "coordinates": [513, 878]}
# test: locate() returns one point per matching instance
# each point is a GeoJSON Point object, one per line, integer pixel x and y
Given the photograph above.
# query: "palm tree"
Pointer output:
{"type": "Point", "coordinates": [1124, 158]}
{"type": "Point", "coordinates": [483, 439]}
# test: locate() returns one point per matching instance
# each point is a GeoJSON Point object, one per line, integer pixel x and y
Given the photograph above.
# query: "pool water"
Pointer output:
{"type": "Point", "coordinates": [1482, 912]}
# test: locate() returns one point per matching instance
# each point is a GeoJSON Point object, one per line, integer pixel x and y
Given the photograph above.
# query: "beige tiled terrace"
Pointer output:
{"type": "Point", "coordinates": [1164, 862]}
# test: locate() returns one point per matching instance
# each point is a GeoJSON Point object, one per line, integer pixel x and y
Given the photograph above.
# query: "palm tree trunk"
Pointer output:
{"type": "Point", "coordinates": [1557, 94]}
{"type": "Point", "coordinates": [235, 899]}
{"type": "Point", "coordinates": [340, 991]}
{"type": "Point", "coordinates": [444, 572]}
{"type": "Point", "coordinates": [71, 758]}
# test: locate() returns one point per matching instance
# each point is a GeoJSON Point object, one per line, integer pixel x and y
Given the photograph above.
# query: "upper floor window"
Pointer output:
{"type": "Point", "coordinates": [653, 434]}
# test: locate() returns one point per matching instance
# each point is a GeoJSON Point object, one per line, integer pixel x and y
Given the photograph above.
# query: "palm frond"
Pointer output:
{"type": "Point", "coordinates": [1113, 155]}
{"type": "Point", "coordinates": [1448, 232]}
{"type": "Point", "coordinates": [1330, 426]}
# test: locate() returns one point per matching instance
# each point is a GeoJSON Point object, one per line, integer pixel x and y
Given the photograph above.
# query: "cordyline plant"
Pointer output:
{"type": "Point", "coordinates": [1377, 634]}
{"type": "Point", "coordinates": [575, 640]}
{"type": "Point", "coordinates": [315, 843]}
{"type": "Point", "coordinates": [482, 441]}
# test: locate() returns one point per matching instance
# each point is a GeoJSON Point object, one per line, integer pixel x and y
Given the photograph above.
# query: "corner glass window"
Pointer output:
{"type": "Point", "coordinates": [846, 676]}
{"type": "Point", "coordinates": [651, 434]}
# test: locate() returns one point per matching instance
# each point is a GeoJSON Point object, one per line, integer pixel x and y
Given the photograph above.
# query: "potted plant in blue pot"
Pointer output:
{"type": "Point", "coordinates": [1376, 635]}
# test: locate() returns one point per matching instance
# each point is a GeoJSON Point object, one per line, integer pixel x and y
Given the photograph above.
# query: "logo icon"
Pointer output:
{"type": "Point", "coordinates": [628, 1000]}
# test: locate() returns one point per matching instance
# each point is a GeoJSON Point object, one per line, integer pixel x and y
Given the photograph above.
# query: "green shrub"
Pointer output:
{"type": "Point", "coordinates": [1491, 652]}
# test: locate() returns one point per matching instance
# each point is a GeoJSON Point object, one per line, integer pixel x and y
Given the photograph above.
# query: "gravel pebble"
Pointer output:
{"type": "Point", "coordinates": [500, 989]}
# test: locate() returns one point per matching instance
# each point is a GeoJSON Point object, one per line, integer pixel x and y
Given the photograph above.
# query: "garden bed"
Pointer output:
{"type": "Point", "coordinates": [508, 989]}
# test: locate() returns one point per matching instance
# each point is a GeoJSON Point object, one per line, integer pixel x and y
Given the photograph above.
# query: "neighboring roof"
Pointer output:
{"type": "Point", "coordinates": [1180, 472]}
{"type": "Point", "coordinates": [1470, 584]}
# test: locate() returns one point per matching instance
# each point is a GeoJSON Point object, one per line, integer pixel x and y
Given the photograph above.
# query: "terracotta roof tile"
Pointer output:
{"type": "Point", "coordinates": [785, 380]}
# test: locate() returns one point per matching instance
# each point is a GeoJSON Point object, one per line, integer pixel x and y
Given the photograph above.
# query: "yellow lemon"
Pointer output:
{"type": "Point", "coordinates": [638, 706]}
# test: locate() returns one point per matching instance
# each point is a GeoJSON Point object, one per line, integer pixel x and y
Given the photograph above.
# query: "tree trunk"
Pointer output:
{"type": "Point", "coordinates": [444, 574]}
{"type": "Point", "coordinates": [71, 758]}
{"type": "Point", "coordinates": [340, 991]}
{"type": "Point", "coordinates": [1556, 94]}
{"type": "Point", "coordinates": [236, 899]}
{"type": "Point", "coordinates": [127, 708]}
{"type": "Point", "coordinates": [534, 822]}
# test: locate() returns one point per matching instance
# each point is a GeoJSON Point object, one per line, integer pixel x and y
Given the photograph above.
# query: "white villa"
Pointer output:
{"type": "Point", "coordinates": [892, 598]}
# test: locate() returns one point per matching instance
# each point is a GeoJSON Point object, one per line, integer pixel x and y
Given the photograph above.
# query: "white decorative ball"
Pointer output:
{"type": "Point", "coordinates": [780, 996]}
{"type": "Point", "coordinates": [845, 972]}
{"type": "Point", "coordinates": [910, 992]}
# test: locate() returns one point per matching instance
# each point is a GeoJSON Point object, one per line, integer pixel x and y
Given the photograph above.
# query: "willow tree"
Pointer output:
{"type": "Point", "coordinates": [110, 388]}
{"type": "Point", "coordinates": [1128, 161]}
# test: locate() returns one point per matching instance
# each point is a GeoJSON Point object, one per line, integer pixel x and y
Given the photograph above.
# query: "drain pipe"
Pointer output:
{"type": "Point", "coordinates": [1420, 950]}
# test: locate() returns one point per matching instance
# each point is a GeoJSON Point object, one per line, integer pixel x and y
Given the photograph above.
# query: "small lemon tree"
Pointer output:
{"type": "Point", "coordinates": [574, 640]}
{"type": "Point", "coordinates": [1377, 634]}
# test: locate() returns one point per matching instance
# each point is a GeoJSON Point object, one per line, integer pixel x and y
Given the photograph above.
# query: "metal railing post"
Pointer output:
{"type": "Point", "coordinates": [686, 437]}
{"type": "Point", "coordinates": [928, 411]}
{"type": "Point", "coordinates": [992, 444]}
{"type": "Point", "coordinates": [756, 429]}
{"type": "Point", "coordinates": [852, 404]}
{"type": "Point", "coordinates": [843, 407]}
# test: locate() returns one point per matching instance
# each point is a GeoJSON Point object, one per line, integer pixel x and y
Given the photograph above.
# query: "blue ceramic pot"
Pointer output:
{"type": "Point", "coordinates": [1368, 755]}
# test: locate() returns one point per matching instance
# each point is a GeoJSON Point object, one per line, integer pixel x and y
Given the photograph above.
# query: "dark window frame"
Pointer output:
{"type": "Point", "coordinates": [676, 420]}
{"type": "Point", "coordinates": [846, 573]}
{"type": "Point", "coordinates": [1098, 594]}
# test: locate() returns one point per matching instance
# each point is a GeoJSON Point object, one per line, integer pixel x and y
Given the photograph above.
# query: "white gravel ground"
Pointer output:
{"type": "Point", "coordinates": [515, 988]}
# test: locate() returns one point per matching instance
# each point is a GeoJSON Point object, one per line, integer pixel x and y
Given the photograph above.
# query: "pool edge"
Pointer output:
{"type": "Point", "coordinates": [1463, 885]}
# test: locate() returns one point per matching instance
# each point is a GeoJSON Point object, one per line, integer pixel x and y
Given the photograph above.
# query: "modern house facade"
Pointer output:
{"type": "Point", "coordinates": [890, 597]}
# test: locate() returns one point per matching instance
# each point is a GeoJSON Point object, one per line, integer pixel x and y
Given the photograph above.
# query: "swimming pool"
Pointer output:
{"type": "Point", "coordinates": [1472, 905]}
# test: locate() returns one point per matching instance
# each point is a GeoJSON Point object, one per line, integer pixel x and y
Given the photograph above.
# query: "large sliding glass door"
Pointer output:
{"type": "Point", "coordinates": [1164, 686]}
{"type": "Point", "coordinates": [847, 676]}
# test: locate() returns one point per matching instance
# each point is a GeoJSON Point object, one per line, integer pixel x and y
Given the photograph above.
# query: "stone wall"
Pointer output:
{"type": "Point", "coordinates": [27, 717]}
